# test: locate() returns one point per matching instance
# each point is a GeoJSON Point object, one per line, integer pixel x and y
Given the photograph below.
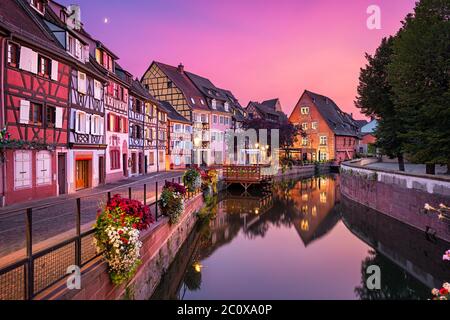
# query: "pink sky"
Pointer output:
{"type": "Point", "coordinates": [257, 49]}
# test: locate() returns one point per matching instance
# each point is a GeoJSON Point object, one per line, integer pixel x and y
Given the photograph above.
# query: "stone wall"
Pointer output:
{"type": "Point", "coordinates": [398, 195]}
{"type": "Point", "coordinates": [160, 246]}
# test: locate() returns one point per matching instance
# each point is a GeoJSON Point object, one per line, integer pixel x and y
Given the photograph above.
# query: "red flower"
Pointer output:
{"type": "Point", "coordinates": [120, 232]}
{"type": "Point", "coordinates": [443, 292]}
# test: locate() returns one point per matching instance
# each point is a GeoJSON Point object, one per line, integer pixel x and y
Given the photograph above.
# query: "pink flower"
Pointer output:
{"type": "Point", "coordinates": [446, 256]}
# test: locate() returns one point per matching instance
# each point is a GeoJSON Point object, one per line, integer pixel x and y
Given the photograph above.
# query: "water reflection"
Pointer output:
{"type": "Point", "coordinates": [250, 249]}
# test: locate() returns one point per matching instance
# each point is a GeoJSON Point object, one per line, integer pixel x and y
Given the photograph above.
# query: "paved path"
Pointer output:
{"type": "Point", "coordinates": [55, 216]}
{"type": "Point", "coordinates": [412, 168]}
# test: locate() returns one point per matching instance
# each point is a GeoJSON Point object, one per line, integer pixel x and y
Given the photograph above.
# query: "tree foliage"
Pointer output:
{"type": "Point", "coordinates": [375, 100]}
{"type": "Point", "coordinates": [419, 74]}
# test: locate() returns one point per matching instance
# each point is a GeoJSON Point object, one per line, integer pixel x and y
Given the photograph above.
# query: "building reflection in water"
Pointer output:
{"type": "Point", "coordinates": [313, 208]}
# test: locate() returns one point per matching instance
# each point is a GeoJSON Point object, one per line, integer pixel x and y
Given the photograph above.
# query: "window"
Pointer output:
{"type": "Point", "coordinates": [323, 140]}
{"type": "Point", "coordinates": [36, 113]}
{"type": "Point", "coordinates": [50, 117]}
{"type": "Point", "coordinates": [204, 118]}
{"type": "Point", "coordinates": [43, 168]}
{"type": "Point", "coordinates": [226, 106]}
{"type": "Point", "coordinates": [214, 104]}
{"type": "Point", "coordinates": [44, 66]}
{"type": "Point", "coordinates": [214, 118]}
{"type": "Point", "coordinates": [177, 128]}
{"type": "Point", "coordinates": [115, 159]}
{"type": "Point", "coordinates": [221, 119]}
{"type": "Point", "coordinates": [97, 90]}
{"type": "Point", "coordinates": [202, 102]}
{"type": "Point", "coordinates": [227, 120]}
{"type": "Point", "coordinates": [304, 141]}
{"type": "Point", "coordinates": [38, 5]}
{"type": "Point", "coordinates": [22, 169]}
{"type": "Point", "coordinates": [305, 126]}
{"type": "Point", "coordinates": [192, 100]}
{"type": "Point", "coordinates": [80, 122]}
{"type": "Point", "coordinates": [314, 125]}
{"type": "Point", "coordinates": [13, 54]}
{"type": "Point", "coordinates": [161, 156]}
{"type": "Point", "coordinates": [304, 110]}
{"type": "Point", "coordinates": [82, 82]}
{"type": "Point", "coordinates": [151, 158]}
{"type": "Point", "coordinates": [169, 84]}
{"type": "Point", "coordinates": [323, 156]}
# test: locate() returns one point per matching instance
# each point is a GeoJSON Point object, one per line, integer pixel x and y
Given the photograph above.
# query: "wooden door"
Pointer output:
{"type": "Point", "coordinates": [125, 164]}
{"type": "Point", "coordinates": [82, 174]}
{"type": "Point", "coordinates": [101, 170]}
{"type": "Point", "coordinates": [62, 176]}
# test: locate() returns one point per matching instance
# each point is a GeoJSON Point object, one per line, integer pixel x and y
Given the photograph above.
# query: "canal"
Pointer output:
{"type": "Point", "coordinates": [301, 240]}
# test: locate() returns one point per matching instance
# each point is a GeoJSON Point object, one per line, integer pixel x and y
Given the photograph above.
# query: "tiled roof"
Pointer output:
{"type": "Point", "coordinates": [172, 114]}
{"type": "Point", "coordinates": [182, 81]}
{"type": "Point", "coordinates": [340, 122]}
{"type": "Point", "coordinates": [361, 123]}
{"type": "Point", "coordinates": [138, 89]}
{"type": "Point", "coordinates": [270, 103]}
{"type": "Point", "coordinates": [16, 16]}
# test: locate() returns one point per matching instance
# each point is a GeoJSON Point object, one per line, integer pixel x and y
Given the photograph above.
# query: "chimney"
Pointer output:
{"type": "Point", "coordinates": [180, 68]}
{"type": "Point", "coordinates": [351, 115]}
{"type": "Point", "coordinates": [74, 16]}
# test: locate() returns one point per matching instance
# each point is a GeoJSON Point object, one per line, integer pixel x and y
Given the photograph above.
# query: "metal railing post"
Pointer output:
{"type": "Point", "coordinates": [156, 201]}
{"type": "Point", "coordinates": [78, 228]}
{"type": "Point", "coordinates": [29, 251]}
{"type": "Point", "coordinates": [145, 194]}
{"type": "Point", "coordinates": [129, 193]}
{"type": "Point", "coordinates": [109, 196]}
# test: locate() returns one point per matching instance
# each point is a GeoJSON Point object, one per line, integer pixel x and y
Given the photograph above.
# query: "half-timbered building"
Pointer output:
{"type": "Point", "coordinates": [143, 127]}
{"type": "Point", "coordinates": [86, 161]}
{"type": "Point", "coordinates": [35, 92]}
{"type": "Point", "coordinates": [116, 113]}
{"type": "Point", "coordinates": [179, 139]}
{"type": "Point", "coordinates": [171, 84]}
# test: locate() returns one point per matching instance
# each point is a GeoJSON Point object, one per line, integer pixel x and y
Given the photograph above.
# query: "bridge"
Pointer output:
{"type": "Point", "coordinates": [246, 176]}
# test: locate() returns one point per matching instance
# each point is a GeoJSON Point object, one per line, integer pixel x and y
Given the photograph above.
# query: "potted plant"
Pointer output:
{"type": "Point", "coordinates": [192, 180]}
{"type": "Point", "coordinates": [172, 201]}
{"type": "Point", "coordinates": [116, 236]}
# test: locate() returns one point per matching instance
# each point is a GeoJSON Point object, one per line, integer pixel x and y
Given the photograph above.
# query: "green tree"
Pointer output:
{"type": "Point", "coordinates": [419, 74]}
{"type": "Point", "coordinates": [375, 100]}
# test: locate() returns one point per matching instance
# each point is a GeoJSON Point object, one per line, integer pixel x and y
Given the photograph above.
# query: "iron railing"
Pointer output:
{"type": "Point", "coordinates": [27, 277]}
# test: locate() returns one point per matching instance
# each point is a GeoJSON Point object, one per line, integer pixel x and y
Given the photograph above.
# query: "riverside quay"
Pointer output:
{"type": "Point", "coordinates": [223, 152]}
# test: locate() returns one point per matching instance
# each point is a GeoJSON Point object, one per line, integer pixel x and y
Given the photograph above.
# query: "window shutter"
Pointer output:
{"type": "Point", "coordinates": [34, 62]}
{"type": "Point", "coordinates": [77, 48]}
{"type": "Point", "coordinates": [54, 70]}
{"type": "Point", "coordinates": [81, 82]}
{"type": "Point", "coordinates": [25, 58]}
{"type": "Point", "coordinates": [87, 129]}
{"type": "Point", "coordinates": [108, 122]}
{"type": "Point", "coordinates": [58, 117]}
{"type": "Point", "coordinates": [24, 111]}
{"type": "Point", "coordinates": [92, 123]}
{"type": "Point", "coordinates": [76, 121]}
{"type": "Point", "coordinates": [22, 169]}
{"type": "Point", "coordinates": [97, 90]}
{"type": "Point", "coordinates": [125, 95]}
{"type": "Point", "coordinates": [86, 53]}
{"type": "Point", "coordinates": [101, 126]}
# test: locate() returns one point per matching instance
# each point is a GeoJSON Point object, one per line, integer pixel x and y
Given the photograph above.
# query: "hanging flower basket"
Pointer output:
{"type": "Point", "coordinates": [192, 180]}
{"type": "Point", "coordinates": [172, 201]}
{"type": "Point", "coordinates": [117, 233]}
{"type": "Point", "coordinates": [443, 293]}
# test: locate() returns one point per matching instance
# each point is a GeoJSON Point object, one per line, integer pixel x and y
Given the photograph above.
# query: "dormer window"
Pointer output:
{"type": "Point", "coordinates": [104, 59]}
{"type": "Point", "coordinates": [226, 106]}
{"type": "Point", "coordinates": [192, 100]}
{"type": "Point", "coordinates": [44, 65]}
{"type": "Point", "coordinates": [38, 5]}
{"type": "Point", "coordinates": [214, 104]}
{"type": "Point", "coordinates": [202, 102]}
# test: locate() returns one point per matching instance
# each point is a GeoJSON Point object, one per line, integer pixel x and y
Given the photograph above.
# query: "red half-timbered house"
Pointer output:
{"type": "Point", "coordinates": [86, 157]}
{"type": "Point", "coordinates": [35, 104]}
